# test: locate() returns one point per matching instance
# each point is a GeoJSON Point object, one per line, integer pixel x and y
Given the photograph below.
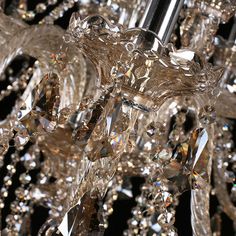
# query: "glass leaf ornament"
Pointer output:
{"type": "Point", "coordinates": [95, 95]}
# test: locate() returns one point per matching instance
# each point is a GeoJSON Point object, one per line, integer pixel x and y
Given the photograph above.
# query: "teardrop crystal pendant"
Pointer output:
{"type": "Point", "coordinates": [100, 96]}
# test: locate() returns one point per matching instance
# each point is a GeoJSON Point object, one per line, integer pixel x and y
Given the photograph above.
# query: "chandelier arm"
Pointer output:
{"type": "Point", "coordinates": [200, 199]}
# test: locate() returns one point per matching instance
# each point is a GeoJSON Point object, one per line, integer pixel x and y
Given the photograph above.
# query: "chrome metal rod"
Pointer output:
{"type": "Point", "coordinates": [160, 17]}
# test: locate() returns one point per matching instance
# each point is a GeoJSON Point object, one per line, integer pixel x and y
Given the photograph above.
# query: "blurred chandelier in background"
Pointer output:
{"type": "Point", "coordinates": [139, 88]}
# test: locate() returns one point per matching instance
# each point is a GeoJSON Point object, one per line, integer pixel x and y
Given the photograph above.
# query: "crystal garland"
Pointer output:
{"type": "Point", "coordinates": [104, 101]}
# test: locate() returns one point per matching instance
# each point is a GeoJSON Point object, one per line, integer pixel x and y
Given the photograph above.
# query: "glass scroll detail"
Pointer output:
{"type": "Point", "coordinates": [106, 100]}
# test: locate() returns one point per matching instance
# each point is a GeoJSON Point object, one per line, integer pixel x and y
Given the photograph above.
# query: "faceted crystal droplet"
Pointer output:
{"type": "Point", "coordinates": [4, 192]}
{"type": "Point", "coordinates": [164, 155]}
{"type": "Point", "coordinates": [30, 159]}
{"type": "Point", "coordinates": [40, 8]}
{"type": "Point", "coordinates": [198, 154]}
{"type": "Point", "coordinates": [21, 138]}
{"type": "Point", "coordinates": [1, 204]}
{"type": "Point", "coordinates": [109, 137]}
{"type": "Point", "coordinates": [7, 180]}
{"type": "Point", "coordinates": [40, 111]}
{"type": "Point", "coordinates": [156, 228]}
{"type": "Point", "coordinates": [22, 193]}
{"type": "Point", "coordinates": [167, 198]}
{"type": "Point", "coordinates": [81, 219]}
{"type": "Point", "coordinates": [29, 15]}
{"type": "Point", "coordinates": [190, 161]}
{"type": "Point", "coordinates": [11, 169]}
{"type": "Point", "coordinates": [25, 178]}
{"type": "Point", "coordinates": [166, 219]}
{"type": "Point", "coordinates": [179, 157]}
{"type": "Point", "coordinates": [37, 194]}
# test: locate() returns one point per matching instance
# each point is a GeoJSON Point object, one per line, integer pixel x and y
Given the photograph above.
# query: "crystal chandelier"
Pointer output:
{"type": "Point", "coordinates": [139, 88]}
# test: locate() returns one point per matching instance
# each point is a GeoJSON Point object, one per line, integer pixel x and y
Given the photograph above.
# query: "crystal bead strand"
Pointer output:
{"type": "Point", "coordinates": [201, 23]}
{"type": "Point", "coordinates": [224, 155]}
{"type": "Point", "coordinates": [160, 218]}
{"type": "Point", "coordinates": [200, 196]}
{"type": "Point", "coordinates": [154, 211]}
{"type": "Point", "coordinates": [200, 37]}
{"type": "Point", "coordinates": [5, 134]}
{"type": "Point", "coordinates": [140, 220]}
{"type": "Point", "coordinates": [19, 207]}
{"type": "Point", "coordinates": [58, 12]}
{"type": "Point", "coordinates": [30, 15]}
{"type": "Point", "coordinates": [225, 55]}
{"type": "Point", "coordinates": [138, 212]}
{"type": "Point", "coordinates": [22, 204]}
{"type": "Point", "coordinates": [7, 181]}
{"type": "Point", "coordinates": [111, 197]}
{"type": "Point", "coordinates": [177, 134]}
{"type": "Point", "coordinates": [145, 82]}
{"type": "Point", "coordinates": [18, 84]}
